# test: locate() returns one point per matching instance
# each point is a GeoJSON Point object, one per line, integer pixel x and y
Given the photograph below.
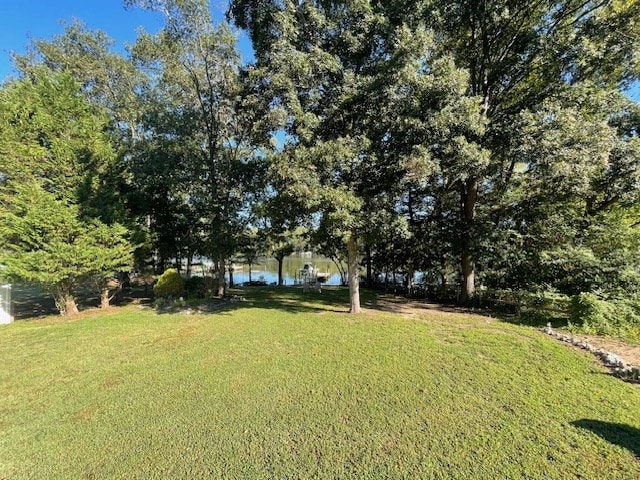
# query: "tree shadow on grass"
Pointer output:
{"type": "Point", "coordinates": [616, 433]}
{"type": "Point", "coordinates": [30, 302]}
{"type": "Point", "coordinates": [286, 299]}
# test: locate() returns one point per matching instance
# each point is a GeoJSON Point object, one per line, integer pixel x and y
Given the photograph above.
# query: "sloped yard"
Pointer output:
{"type": "Point", "coordinates": [286, 385]}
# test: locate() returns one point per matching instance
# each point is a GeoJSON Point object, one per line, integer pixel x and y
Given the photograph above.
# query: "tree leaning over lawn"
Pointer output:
{"type": "Point", "coordinates": [53, 153]}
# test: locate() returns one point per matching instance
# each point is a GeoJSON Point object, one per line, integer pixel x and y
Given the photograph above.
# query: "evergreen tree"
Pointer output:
{"type": "Point", "coordinates": [54, 152]}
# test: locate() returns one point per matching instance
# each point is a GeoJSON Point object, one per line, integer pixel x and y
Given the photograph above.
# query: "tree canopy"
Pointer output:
{"type": "Point", "coordinates": [470, 144]}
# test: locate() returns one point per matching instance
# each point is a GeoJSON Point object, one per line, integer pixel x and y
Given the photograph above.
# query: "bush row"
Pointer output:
{"type": "Point", "coordinates": [586, 312]}
{"type": "Point", "coordinates": [620, 318]}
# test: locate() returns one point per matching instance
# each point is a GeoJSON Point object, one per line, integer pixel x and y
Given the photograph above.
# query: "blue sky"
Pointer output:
{"type": "Point", "coordinates": [23, 20]}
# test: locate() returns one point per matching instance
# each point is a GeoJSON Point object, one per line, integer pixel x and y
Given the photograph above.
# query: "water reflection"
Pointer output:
{"type": "Point", "coordinates": [267, 270]}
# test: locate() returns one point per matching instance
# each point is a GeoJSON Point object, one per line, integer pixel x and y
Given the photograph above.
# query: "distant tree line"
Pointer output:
{"type": "Point", "coordinates": [481, 143]}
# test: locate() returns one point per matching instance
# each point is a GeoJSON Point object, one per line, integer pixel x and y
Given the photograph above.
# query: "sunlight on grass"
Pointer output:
{"type": "Point", "coordinates": [285, 386]}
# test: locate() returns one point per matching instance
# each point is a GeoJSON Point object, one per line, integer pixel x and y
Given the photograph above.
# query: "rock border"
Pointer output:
{"type": "Point", "coordinates": [617, 365]}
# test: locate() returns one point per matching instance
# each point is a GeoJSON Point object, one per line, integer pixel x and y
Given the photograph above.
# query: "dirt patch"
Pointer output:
{"type": "Point", "coordinates": [413, 308]}
{"type": "Point", "coordinates": [629, 352]}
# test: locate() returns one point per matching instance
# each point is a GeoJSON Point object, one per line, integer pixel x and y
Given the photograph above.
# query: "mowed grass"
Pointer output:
{"type": "Point", "coordinates": [287, 385]}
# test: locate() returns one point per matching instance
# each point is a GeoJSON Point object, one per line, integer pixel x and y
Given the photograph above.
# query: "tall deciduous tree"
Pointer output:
{"type": "Point", "coordinates": [517, 55]}
{"type": "Point", "coordinates": [198, 82]}
{"type": "Point", "coordinates": [572, 198]}
{"type": "Point", "coordinates": [332, 68]}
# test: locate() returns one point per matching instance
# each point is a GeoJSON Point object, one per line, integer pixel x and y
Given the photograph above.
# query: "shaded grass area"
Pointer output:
{"type": "Point", "coordinates": [31, 301]}
{"type": "Point", "coordinates": [287, 385]}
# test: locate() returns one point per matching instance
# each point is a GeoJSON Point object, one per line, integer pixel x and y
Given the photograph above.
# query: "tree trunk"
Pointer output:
{"type": "Point", "coordinates": [469, 198]}
{"type": "Point", "coordinates": [160, 265]}
{"type": "Point", "coordinates": [65, 301]}
{"type": "Point", "coordinates": [369, 277]}
{"type": "Point", "coordinates": [189, 264]}
{"type": "Point", "coordinates": [124, 280]}
{"type": "Point", "coordinates": [71, 308]}
{"type": "Point", "coordinates": [354, 281]}
{"type": "Point", "coordinates": [249, 273]}
{"type": "Point", "coordinates": [410, 274]}
{"type": "Point", "coordinates": [444, 280]}
{"type": "Point", "coordinates": [280, 261]}
{"type": "Point", "coordinates": [221, 289]}
{"type": "Point", "coordinates": [395, 278]}
{"type": "Point", "coordinates": [104, 297]}
{"type": "Point", "coordinates": [231, 276]}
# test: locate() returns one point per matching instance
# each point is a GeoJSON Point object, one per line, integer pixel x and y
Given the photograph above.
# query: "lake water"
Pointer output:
{"type": "Point", "coordinates": [267, 270]}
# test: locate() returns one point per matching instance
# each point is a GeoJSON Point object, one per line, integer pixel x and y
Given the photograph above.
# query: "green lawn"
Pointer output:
{"type": "Point", "coordinates": [286, 385]}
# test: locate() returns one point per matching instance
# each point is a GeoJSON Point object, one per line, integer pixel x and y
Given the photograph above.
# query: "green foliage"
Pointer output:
{"type": "Point", "coordinates": [49, 134]}
{"type": "Point", "coordinates": [108, 80]}
{"type": "Point", "coordinates": [614, 317]}
{"type": "Point", "coordinates": [169, 285]}
{"type": "Point", "coordinates": [198, 287]}
{"type": "Point", "coordinates": [198, 169]}
{"type": "Point", "coordinates": [44, 241]}
{"type": "Point", "coordinates": [114, 252]}
{"type": "Point", "coordinates": [532, 308]}
{"type": "Point", "coordinates": [42, 238]}
{"type": "Point", "coordinates": [455, 138]}
{"type": "Point", "coordinates": [54, 154]}
{"type": "Point", "coordinates": [357, 87]}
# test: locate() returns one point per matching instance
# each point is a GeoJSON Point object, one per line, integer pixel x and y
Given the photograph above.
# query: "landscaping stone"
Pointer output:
{"type": "Point", "coordinates": [613, 360]}
{"type": "Point", "coordinates": [619, 367]}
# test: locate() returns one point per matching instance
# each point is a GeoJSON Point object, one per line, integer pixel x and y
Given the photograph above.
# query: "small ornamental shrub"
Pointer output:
{"type": "Point", "coordinates": [169, 284]}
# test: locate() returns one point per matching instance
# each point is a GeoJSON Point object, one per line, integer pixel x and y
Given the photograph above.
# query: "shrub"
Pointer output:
{"type": "Point", "coordinates": [615, 317]}
{"type": "Point", "coordinates": [169, 284]}
{"type": "Point", "coordinates": [588, 311]}
{"type": "Point", "coordinates": [198, 287]}
{"type": "Point", "coordinates": [533, 308]}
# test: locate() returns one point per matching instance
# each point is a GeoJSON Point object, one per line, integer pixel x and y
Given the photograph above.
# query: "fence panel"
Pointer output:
{"type": "Point", "coordinates": [5, 304]}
